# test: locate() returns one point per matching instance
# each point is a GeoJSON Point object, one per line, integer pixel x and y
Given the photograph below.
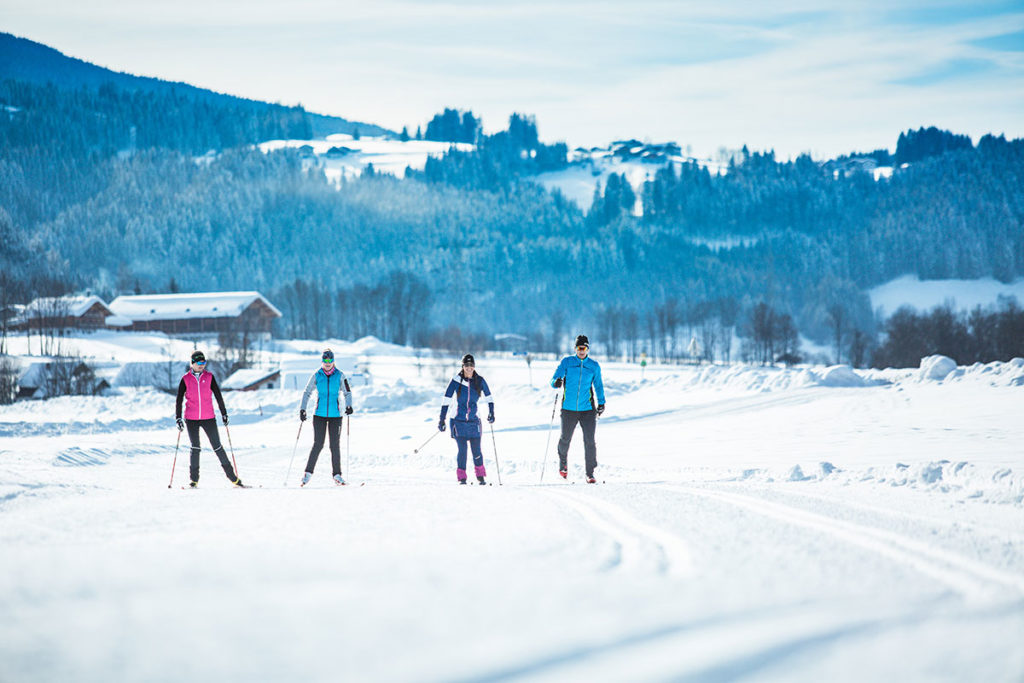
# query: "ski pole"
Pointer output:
{"type": "Point", "coordinates": [422, 445]}
{"type": "Point", "coordinates": [175, 463]}
{"type": "Point", "coordinates": [496, 463]}
{"type": "Point", "coordinates": [294, 448]}
{"type": "Point", "coordinates": [228, 432]}
{"type": "Point", "coordinates": [348, 443]}
{"type": "Point", "coordinates": [554, 407]}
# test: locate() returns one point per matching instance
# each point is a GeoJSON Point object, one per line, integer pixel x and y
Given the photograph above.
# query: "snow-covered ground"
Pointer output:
{"type": "Point", "coordinates": [387, 155]}
{"type": "Point", "coordinates": [765, 524]}
{"type": "Point", "coordinates": [925, 295]}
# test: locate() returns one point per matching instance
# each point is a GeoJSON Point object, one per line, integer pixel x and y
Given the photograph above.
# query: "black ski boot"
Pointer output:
{"type": "Point", "coordinates": [481, 480]}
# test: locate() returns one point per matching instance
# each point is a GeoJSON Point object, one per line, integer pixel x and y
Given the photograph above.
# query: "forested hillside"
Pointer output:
{"type": "Point", "coordinates": [111, 190]}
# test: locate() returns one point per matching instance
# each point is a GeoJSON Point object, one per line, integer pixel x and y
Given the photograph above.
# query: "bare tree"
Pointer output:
{"type": "Point", "coordinates": [8, 380]}
{"type": "Point", "coordinates": [837, 322]}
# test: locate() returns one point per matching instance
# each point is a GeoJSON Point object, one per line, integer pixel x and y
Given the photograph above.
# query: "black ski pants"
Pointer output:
{"type": "Point", "coordinates": [322, 426]}
{"type": "Point", "coordinates": [210, 427]}
{"type": "Point", "coordinates": [587, 419]}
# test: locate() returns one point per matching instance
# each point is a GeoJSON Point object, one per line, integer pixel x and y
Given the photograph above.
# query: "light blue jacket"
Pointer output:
{"type": "Point", "coordinates": [329, 389]}
{"type": "Point", "coordinates": [582, 381]}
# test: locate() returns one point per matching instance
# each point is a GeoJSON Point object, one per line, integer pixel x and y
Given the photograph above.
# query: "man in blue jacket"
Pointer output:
{"type": "Point", "coordinates": [579, 377]}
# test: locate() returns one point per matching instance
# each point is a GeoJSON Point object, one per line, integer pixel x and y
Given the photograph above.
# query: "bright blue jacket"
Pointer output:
{"type": "Point", "coordinates": [466, 423]}
{"type": "Point", "coordinates": [329, 389]}
{"type": "Point", "coordinates": [582, 379]}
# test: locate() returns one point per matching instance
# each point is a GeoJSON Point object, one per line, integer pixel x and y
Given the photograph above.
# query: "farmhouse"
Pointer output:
{"type": "Point", "coordinates": [203, 312]}
{"type": "Point", "coordinates": [61, 312]}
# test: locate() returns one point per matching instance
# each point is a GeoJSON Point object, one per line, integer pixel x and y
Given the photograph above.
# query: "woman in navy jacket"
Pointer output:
{"type": "Point", "coordinates": [467, 387]}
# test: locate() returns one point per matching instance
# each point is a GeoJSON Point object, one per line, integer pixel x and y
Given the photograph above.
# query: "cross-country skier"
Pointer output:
{"type": "Point", "coordinates": [579, 377]}
{"type": "Point", "coordinates": [330, 384]}
{"type": "Point", "coordinates": [199, 387]}
{"type": "Point", "coordinates": [467, 387]}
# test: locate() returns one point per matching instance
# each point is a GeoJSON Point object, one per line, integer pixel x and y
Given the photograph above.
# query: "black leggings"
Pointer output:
{"type": "Point", "coordinates": [210, 427]}
{"type": "Point", "coordinates": [321, 427]}
{"type": "Point", "coordinates": [587, 419]}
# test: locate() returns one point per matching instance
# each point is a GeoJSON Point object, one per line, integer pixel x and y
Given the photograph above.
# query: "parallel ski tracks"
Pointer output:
{"type": "Point", "coordinates": [638, 543]}
{"type": "Point", "coordinates": [972, 579]}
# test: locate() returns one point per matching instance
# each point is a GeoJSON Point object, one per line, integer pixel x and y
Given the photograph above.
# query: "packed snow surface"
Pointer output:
{"type": "Point", "coordinates": [805, 524]}
{"type": "Point", "coordinates": [925, 295]}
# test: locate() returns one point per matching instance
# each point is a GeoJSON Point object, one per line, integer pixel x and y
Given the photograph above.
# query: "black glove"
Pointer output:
{"type": "Point", "coordinates": [440, 425]}
{"type": "Point", "coordinates": [490, 414]}
{"type": "Point", "coordinates": [181, 423]}
{"type": "Point", "coordinates": [348, 410]}
{"type": "Point", "coordinates": [302, 416]}
{"type": "Point", "coordinates": [600, 409]}
{"type": "Point", "coordinates": [558, 383]}
{"type": "Point", "coordinates": [224, 416]}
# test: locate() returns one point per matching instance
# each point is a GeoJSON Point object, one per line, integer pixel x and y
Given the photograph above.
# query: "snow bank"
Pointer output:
{"type": "Point", "coordinates": [936, 368]}
{"type": "Point", "coordinates": [996, 373]}
{"type": "Point", "coordinates": [764, 379]}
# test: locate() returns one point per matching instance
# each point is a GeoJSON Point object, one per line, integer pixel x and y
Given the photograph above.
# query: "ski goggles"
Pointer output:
{"type": "Point", "coordinates": [199, 362]}
{"type": "Point", "coordinates": [583, 346]}
{"type": "Point", "coordinates": [328, 359]}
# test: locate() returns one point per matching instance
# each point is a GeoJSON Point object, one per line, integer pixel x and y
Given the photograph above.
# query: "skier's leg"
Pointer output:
{"type": "Point", "coordinates": [319, 433]}
{"type": "Point", "coordinates": [461, 458]}
{"type": "Point", "coordinates": [193, 437]}
{"type": "Point", "coordinates": [210, 427]}
{"type": "Point", "coordinates": [334, 434]}
{"type": "Point", "coordinates": [569, 418]}
{"type": "Point", "coordinates": [588, 422]}
{"type": "Point", "coordinates": [478, 458]}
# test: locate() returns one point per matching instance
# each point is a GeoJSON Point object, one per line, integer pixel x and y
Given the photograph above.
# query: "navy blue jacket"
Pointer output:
{"type": "Point", "coordinates": [467, 393]}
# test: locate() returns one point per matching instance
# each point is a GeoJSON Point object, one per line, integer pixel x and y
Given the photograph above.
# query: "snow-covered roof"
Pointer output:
{"type": "Point", "coordinates": [184, 306]}
{"type": "Point", "coordinates": [53, 306]}
{"type": "Point", "coordinates": [240, 379]}
{"type": "Point", "coordinates": [117, 321]}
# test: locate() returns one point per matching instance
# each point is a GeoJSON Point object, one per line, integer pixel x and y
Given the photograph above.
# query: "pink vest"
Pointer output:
{"type": "Point", "coordinates": [198, 396]}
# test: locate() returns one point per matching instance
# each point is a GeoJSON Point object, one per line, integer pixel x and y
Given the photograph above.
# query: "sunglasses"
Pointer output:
{"type": "Point", "coordinates": [328, 360]}
{"type": "Point", "coordinates": [582, 347]}
{"type": "Point", "coordinates": [199, 362]}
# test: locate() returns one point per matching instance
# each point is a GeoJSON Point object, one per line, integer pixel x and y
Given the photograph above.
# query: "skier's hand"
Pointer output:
{"type": "Point", "coordinates": [181, 423]}
{"type": "Point", "coordinates": [490, 416]}
{"type": "Point", "coordinates": [302, 416]}
{"type": "Point", "coordinates": [600, 409]}
{"type": "Point", "coordinates": [440, 425]}
{"type": "Point", "coordinates": [557, 384]}
{"type": "Point", "coordinates": [224, 416]}
{"type": "Point", "coordinates": [348, 410]}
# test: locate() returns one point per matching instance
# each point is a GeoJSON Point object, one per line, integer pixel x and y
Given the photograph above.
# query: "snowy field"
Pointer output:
{"type": "Point", "coordinates": [924, 295]}
{"type": "Point", "coordinates": [812, 524]}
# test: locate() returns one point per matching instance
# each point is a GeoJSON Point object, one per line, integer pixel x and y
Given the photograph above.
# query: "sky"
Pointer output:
{"type": "Point", "coordinates": [794, 76]}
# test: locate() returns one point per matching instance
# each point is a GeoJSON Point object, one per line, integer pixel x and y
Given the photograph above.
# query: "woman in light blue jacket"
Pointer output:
{"type": "Point", "coordinates": [330, 384]}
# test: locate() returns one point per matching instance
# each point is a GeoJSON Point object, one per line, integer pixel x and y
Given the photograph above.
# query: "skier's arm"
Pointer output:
{"type": "Point", "coordinates": [598, 384]}
{"type": "Point", "coordinates": [177, 402]}
{"type": "Point", "coordinates": [310, 385]}
{"type": "Point", "coordinates": [216, 394]}
{"type": "Point", "coordinates": [490, 399]}
{"type": "Point", "coordinates": [559, 372]}
{"type": "Point", "coordinates": [346, 390]}
{"type": "Point", "coordinates": [449, 392]}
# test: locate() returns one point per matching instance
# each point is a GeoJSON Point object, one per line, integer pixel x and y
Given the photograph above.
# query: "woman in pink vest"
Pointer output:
{"type": "Point", "coordinates": [198, 387]}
